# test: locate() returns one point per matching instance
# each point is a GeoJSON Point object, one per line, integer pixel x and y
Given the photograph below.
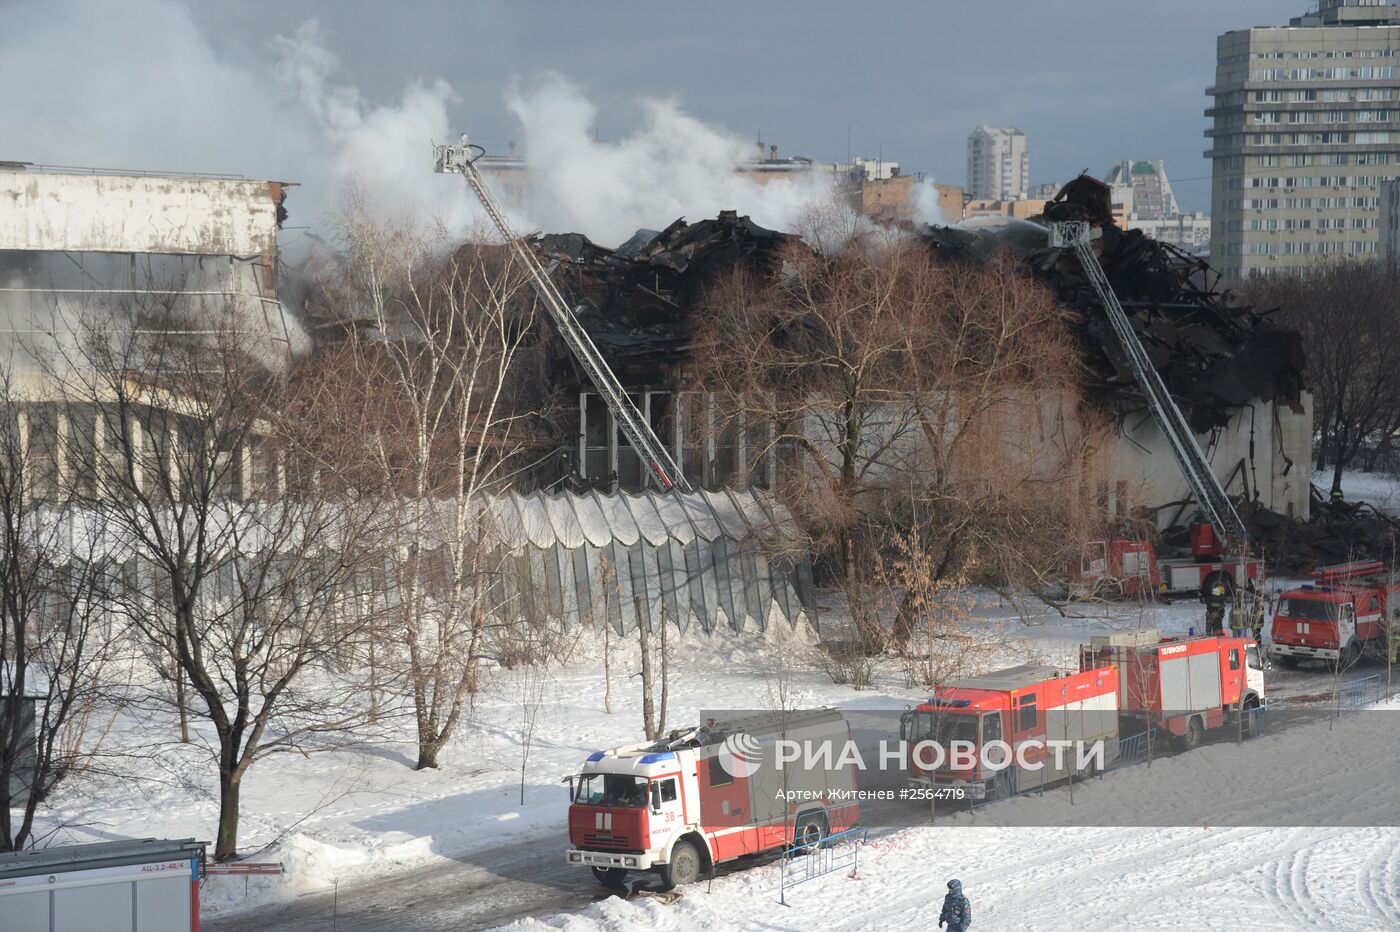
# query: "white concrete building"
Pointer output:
{"type": "Point", "coordinates": [79, 247]}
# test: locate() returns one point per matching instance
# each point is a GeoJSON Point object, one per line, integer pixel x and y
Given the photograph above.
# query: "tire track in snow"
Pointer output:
{"type": "Point", "coordinates": [1286, 886]}
{"type": "Point", "coordinates": [1122, 874]}
{"type": "Point", "coordinates": [1375, 883]}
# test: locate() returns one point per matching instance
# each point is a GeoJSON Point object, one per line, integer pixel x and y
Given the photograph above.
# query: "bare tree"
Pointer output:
{"type": "Point", "coordinates": [446, 362]}
{"type": "Point", "coordinates": [57, 641]}
{"type": "Point", "coordinates": [1347, 313]}
{"type": "Point", "coordinates": [238, 553]}
{"type": "Point", "coordinates": [933, 404]}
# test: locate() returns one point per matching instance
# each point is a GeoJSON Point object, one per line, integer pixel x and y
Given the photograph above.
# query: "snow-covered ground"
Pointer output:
{"type": "Point", "coordinates": [1205, 877]}
{"type": "Point", "coordinates": [358, 813]}
{"type": "Point", "coordinates": [1379, 489]}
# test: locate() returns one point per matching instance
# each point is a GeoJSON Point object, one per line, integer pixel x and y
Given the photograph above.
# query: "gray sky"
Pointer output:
{"type": "Point", "coordinates": [1088, 81]}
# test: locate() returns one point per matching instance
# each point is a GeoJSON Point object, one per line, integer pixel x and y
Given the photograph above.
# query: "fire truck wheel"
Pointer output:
{"type": "Point", "coordinates": [684, 867]}
{"type": "Point", "coordinates": [811, 832]}
{"type": "Point", "coordinates": [609, 876]}
{"type": "Point", "coordinates": [1352, 655]}
{"type": "Point", "coordinates": [1195, 731]}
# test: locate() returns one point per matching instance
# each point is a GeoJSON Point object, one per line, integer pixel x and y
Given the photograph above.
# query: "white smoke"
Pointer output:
{"type": "Point", "coordinates": [923, 203]}
{"type": "Point", "coordinates": [384, 149]}
{"type": "Point", "coordinates": [672, 165]}
{"type": "Point", "coordinates": [153, 92]}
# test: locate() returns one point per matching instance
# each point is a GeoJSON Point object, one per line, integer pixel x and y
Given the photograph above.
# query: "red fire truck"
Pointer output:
{"type": "Point", "coordinates": [1339, 615]}
{"type": "Point", "coordinates": [1130, 568]}
{"type": "Point", "coordinates": [680, 805]}
{"type": "Point", "coordinates": [1182, 685]}
{"type": "Point", "coordinates": [1026, 707]}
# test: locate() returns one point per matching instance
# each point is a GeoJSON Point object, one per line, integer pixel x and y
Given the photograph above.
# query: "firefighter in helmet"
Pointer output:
{"type": "Point", "coordinates": [1216, 597]}
{"type": "Point", "coordinates": [957, 911]}
{"type": "Point", "coordinates": [1258, 609]}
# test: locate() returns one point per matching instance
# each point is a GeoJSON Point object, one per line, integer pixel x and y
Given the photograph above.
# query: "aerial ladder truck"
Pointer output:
{"type": "Point", "coordinates": [1214, 502]}
{"type": "Point", "coordinates": [460, 158]}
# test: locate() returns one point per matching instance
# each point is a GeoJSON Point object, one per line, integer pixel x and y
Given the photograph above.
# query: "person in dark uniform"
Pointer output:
{"type": "Point", "coordinates": [1216, 599]}
{"type": "Point", "coordinates": [957, 911]}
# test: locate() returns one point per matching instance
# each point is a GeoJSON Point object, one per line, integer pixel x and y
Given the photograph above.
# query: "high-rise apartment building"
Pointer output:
{"type": "Point", "coordinates": [998, 164]}
{"type": "Point", "coordinates": [1305, 127]}
{"type": "Point", "coordinates": [1152, 192]}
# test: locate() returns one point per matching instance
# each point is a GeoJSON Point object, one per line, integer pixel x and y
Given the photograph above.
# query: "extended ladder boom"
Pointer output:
{"type": "Point", "coordinates": [458, 159]}
{"type": "Point", "coordinates": [1214, 501]}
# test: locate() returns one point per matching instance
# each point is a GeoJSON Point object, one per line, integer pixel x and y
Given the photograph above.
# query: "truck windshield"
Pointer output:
{"type": "Point", "coordinates": [611, 789]}
{"type": "Point", "coordinates": [943, 728]}
{"type": "Point", "coordinates": [1308, 609]}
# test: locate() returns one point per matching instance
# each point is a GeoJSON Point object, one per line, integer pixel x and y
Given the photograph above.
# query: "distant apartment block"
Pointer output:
{"type": "Point", "coordinates": [998, 164]}
{"type": "Point", "coordinates": [1188, 232]}
{"type": "Point", "coordinates": [1305, 129]}
{"type": "Point", "coordinates": [1152, 192]}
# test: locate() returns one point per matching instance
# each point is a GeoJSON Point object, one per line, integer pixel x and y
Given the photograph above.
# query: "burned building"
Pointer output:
{"type": "Point", "coordinates": [1238, 378]}
{"type": "Point", "coordinates": [637, 303]}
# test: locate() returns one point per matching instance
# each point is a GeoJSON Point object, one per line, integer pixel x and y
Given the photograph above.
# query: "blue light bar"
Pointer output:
{"type": "Point", "coordinates": [950, 703]}
{"type": "Point", "coordinates": [595, 756]}
{"type": "Point", "coordinates": [657, 758]}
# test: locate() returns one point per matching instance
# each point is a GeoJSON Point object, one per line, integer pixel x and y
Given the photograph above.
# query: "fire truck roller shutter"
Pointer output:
{"type": "Point", "coordinates": [766, 782]}
{"type": "Point", "coordinates": [1191, 684]}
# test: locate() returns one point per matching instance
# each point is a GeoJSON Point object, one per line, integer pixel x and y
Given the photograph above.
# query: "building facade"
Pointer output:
{"type": "Point", "coordinates": [1152, 197]}
{"type": "Point", "coordinates": [84, 251]}
{"type": "Point", "coordinates": [998, 164]}
{"type": "Point", "coordinates": [1189, 232]}
{"type": "Point", "coordinates": [1305, 127]}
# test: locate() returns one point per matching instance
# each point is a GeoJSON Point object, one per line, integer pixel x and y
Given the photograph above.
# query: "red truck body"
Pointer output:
{"type": "Point", "coordinates": [1024, 706]}
{"type": "Point", "coordinates": [1131, 569]}
{"type": "Point", "coordinates": [1339, 615]}
{"type": "Point", "coordinates": [1182, 685]}
{"type": "Point", "coordinates": [714, 792]}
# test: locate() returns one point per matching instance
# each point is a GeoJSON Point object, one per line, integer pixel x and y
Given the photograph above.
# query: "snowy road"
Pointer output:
{"type": "Point", "coordinates": [486, 888]}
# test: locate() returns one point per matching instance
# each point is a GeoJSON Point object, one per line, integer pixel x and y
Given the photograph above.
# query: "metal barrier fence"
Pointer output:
{"type": "Point", "coordinates": [1360, 692]}
{"type": "Point", "coordinates": [1137, 748]}
{"type": "Point", "coordinates": [1261, 719]}
{"type": "Point", "coordinates": [812, 859]}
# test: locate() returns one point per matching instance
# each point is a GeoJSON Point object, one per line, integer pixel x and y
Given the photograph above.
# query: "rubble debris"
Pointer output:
{"type": "Point", "coordinates": [1214, 353]}
{"type": "Point", "coordinates": [636, 300]}
{"type": "Point", "coordinates": [1335, 533]}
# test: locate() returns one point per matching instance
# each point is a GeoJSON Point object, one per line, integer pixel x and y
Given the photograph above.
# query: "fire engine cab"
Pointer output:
{"type": "Point", "coordinates": [1340, 614]}
{"type": "Point", "coordinates": [698, 797]}
{"type": "Point", "coordinates": [1026, 707]}
{"type": "Point", "coordinates": [1182, 685]}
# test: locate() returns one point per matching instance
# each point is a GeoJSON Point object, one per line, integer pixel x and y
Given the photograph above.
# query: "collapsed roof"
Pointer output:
{"type": "Point", "coordinates": [1214, 353]}
{"type": "Point", "coordinates": [636, 301]}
